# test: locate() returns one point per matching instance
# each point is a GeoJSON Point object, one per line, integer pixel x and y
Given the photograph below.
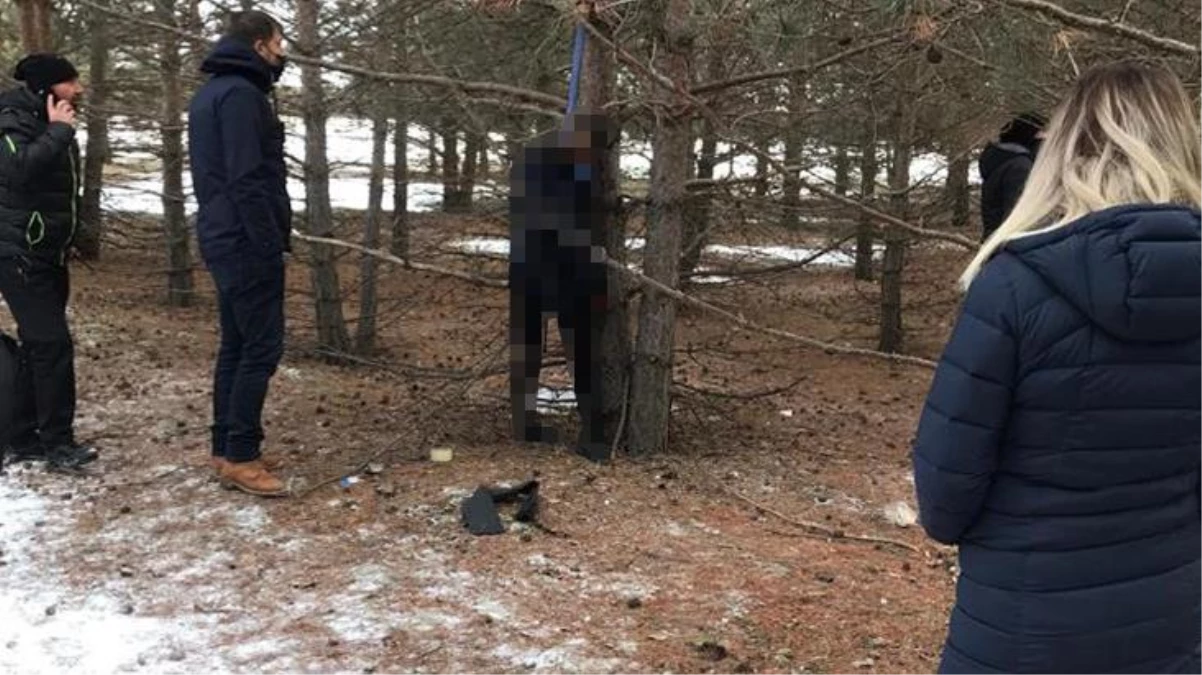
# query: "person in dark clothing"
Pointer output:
{"type": "Point", "coordinates": [1005, 166]}
{"type": "Point", "coordinates": [39, 207]}
{"type": "Point", "coordinates": [1059, 446]}
{"type": "Point", "coordinates": [236, 144]}
{"type": "Point", "coordinates": [557, 266]}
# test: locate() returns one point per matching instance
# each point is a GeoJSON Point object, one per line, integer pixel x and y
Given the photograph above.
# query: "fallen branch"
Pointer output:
{"type": "Point", "coordinates": [776, 332]}
{"type": "Point", "coordinates": [408, 264]}
{"type": "Point", "coordinates": [830, 532]}
{"type": "Point", "coordinates": [892, 220]}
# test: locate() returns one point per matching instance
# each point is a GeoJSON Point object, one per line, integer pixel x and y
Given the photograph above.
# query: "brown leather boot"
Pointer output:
{"type": "Point", "coordinates": [269, 463]}
{"type": "Point", "coordinates": [252, 478]}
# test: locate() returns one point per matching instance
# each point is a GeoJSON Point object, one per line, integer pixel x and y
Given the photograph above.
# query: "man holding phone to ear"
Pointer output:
{"type": "Point", "coordinates": [39, 214]}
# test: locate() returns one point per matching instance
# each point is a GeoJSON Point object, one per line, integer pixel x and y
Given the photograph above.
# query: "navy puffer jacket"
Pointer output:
{"type": "Point", "coordinates": [1060, 449]}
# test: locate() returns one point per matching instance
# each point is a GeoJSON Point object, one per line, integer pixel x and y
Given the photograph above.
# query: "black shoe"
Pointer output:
{"type": "Point", "coordinates": [70, 456]}
{"type": "Point", "coordinates": [26, 453]}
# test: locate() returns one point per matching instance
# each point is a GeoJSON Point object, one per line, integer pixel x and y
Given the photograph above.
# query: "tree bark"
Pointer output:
{"type": "Point", "coordinates": [319, 220]}
{"type": "Point", "coordinates": [598, 81]}
{"type": "Point", "coordinates": [892, 327]}
{"type": "Point", "coordinates": [697, 220]}
{"type": "Point", "coordinates": [794, 146]}
{"type": "Point", "coordinates": [451, 202]}
{"type": "Point", "coordinates": [96, 151]}
{"type": "Point", "coordinates": [432, 152]}
{"type": "Point", "coordinates": [171, 125]}
{"type": "Point", "coordinates": [842, 170]}
{"type": "Point", "coordinates": [400, 187]}
{"type": "Point", "coordinates": [958, 193]}
{"type": "Point", "coordinates": [865, 230]}
{"type": "Point", "coordinates": [365, 331]}
{"type": "Point", "coordinates": [467, 175]}
{"type": "Point", "coordinates": [34, 17]}
{"type": "Point", "coordinates": [651, 379]}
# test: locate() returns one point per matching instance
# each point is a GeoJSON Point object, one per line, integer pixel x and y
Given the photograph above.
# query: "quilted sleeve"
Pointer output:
{"type": "Point", "coordinates": [964, 419]}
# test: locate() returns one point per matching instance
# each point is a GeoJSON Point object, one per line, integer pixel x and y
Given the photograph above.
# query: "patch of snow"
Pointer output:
{"type": "Point", "coordinates": [563, 658]}
{"type": "Point", "coordinates": [900, 514]}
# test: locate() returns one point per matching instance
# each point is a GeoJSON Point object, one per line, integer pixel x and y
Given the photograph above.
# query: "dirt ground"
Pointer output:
{"type": "Point", "coordinates": [693, 561]}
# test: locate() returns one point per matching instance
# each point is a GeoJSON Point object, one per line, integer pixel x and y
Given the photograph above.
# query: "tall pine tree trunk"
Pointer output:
{"type": "Point", "coordinates": [319, 220]}
{"type": "Point", "coordinates": [958, 195]}
{"type": "Point", "coordinates": [467, 176]}
{"type": "Point", "coordinates": [365, 333]}
{"type": "Point", "coordinates": [91, 230]}
{"type": "Point", "coordinates": [175, 223]}
{"type": "Point", "coordinates": [597, 88]}
{"type": "Point", "coordinates": [697, 214]}
{"type": "Point", "coordinates": [432, 163]}
{"type": "Point", "coordinates": [34, 17]}
{"type": "Point", "coordinates": [892, 326]}
{"type": "Point", "coordinates": [842, 170]}
{"type": "Point", "coordinates": [400, 187]}
{"type": "Point", "coordinates": [450, 167]}
{"type": "Point", "coordinates": [794, 146]}
{"type": "Point", "coordinates": [651, 378]}
{"type": "Point", "coordinates": [865, 230]}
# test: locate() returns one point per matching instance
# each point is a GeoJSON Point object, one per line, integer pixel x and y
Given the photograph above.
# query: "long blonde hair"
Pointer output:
{"type": "Point", "coordinates": [1127, 134]}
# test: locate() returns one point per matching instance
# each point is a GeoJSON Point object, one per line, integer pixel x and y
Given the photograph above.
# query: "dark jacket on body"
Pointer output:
{"type": "Point", "coordinates": [1004, 170]}
{"type": "Point", "coordinates": [1059, 448]}
{"type": "Point", "coordinates": [236, 144]}
{"type": "Point", "coordinates": [39, 180]}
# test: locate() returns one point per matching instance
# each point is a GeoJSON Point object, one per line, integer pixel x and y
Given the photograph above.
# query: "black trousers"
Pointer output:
{"type": "Point", "coordinates": [250, 299]}
{"type": "Point", "coordinates": [532, 293]}
{"type": "Point", "coordinates": [37, 293]}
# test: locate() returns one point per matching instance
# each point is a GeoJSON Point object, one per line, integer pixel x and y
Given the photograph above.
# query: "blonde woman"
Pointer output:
{"type": "Point", "coordinates": [1060, 444]}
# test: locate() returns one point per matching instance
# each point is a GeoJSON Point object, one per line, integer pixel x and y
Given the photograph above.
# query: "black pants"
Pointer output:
{"type": "Point", "coordinates": [250, 298]}
{"type": "Point", "coordinates": [36, 293]}
{"type": "Point", "coordinates": [531, 294]}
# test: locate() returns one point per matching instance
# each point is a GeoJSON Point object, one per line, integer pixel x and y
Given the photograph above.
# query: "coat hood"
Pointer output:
{"type": "Point", "coordinates": [231, 56]}
{"type": "Point", "coordinates": [1135, 271]}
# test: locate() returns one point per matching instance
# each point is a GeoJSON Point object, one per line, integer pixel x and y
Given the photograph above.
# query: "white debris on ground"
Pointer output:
{"type": "Point", "coordinates": [900, 514]}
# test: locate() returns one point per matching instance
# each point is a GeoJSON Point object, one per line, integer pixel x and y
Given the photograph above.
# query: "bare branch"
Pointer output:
{"type": "Point", "coordinates": [1118, 28]}
{"type": "Point", "coordinates": [409, 264]}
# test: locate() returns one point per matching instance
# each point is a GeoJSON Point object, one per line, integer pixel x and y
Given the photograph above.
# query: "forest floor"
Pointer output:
{"type": "Point", "coordinates": [692, 561]}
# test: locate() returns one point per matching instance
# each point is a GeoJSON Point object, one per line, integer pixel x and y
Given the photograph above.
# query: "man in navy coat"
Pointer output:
{"type": "Point", "coordinates": [243, 225]}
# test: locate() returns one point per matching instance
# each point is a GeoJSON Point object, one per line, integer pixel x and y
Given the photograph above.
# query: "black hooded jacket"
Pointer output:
{"type": "Point", "coordinates": [237, 153]}
{"type": "Point", "coordinates": [39, 180]}
{"type": "Point", "coordinates": [1004, 171]}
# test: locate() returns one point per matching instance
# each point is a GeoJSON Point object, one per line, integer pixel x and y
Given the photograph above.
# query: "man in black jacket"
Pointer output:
{"type": "Point", "coordinates": [236, 144]}
{"type": "Point", "coordinates": [1005, 166]}
{"type": "Point", "coordinates": [39, 207]}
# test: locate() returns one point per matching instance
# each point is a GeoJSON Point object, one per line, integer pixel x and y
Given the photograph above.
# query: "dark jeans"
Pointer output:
{"type": "Point", "coordinates": [250, 298]}
{"type": "Point", "coordinates": [36, 293]}
{"type": "Point", "coordinates": [530, 295]}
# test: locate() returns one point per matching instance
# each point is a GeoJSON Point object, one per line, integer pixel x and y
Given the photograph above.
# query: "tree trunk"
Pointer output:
{"type": "Point", "coordinates": [432, 152]}
{"type": "Point", "coordinates": [794, 146]}
{"type": "Point", "coordinates": [761, 170]}
{"type": "Point", "coordinates": [651, 379]}
{"type": "Point", "coordinates": [319, 220]}
{"type": "Point", "coordinates": [87, 240]}
{"type": "Point", "coordinates": [958, 193]}
{"type": "Point", "coordinates": [175, 223]}
{"type": "Point", "coordinates": [400, 188]}
{"type": "Point", "coordinates": [450, 168]}
{"type": "Point", "coordinates": [34, 17]}
{"type": "Point", "coordinates": [892, 328]}
{"type": "Point", "coordinates": [467, 177]}
{"type": "Point", "coordinates": [365, 333]}
{"type": "Point", "coordinates": [697, 214]}
{"type": "Point", "coordinates": [599, 79]}
{"type": "Point", "coordinates": [483, 168]}
{"type": "Point", "coordinates": [865, 230]}
{"type": "Point", "coordinates": [842, 170]}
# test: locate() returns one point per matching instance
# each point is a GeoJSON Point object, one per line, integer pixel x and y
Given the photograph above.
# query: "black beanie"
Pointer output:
{"type": "Point", "coordinates": [39, 72]}
{"type": "Point", "coordinates": [1023, 129]}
